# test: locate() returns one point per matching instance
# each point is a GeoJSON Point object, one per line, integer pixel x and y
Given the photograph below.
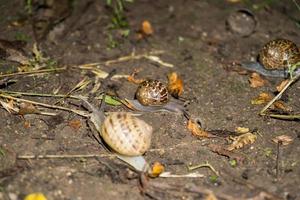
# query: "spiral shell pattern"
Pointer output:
{"type": "Point", "coordinates": [279, 54]}
{"type": "Point", "coordinates": [152, 93]}
{"type": "Point", "coordinates": [126, 134]}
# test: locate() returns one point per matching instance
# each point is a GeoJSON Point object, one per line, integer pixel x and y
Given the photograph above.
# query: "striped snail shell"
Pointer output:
{"type": "Point", "coordinates": [152, 93]}
{"type": "Point", "coordinates": [279, 54]}
{"type": "Point", "coordinates": [152, 96]}
{"type": "Point", "coordinates": [126, 134]}
{"type": "Point", "coordinates": [274, 59]}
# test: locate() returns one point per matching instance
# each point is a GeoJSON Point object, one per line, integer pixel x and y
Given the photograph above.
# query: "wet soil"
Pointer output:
{"type": "Point", "coordinates": [196, 40]}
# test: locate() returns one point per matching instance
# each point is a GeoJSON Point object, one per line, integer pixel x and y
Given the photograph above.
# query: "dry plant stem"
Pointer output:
{"type": "Point", "coordinates": [289, 117]}
{"type": "Point", "coordinates": [78, 112]}
{"type": "Point", "coordinates": [27, 157]}
{"type": "Point", "coordinates": [262, 112]}
{"type": "Point", "coordinates": [39, 94]}
{"type": "Point", "coordinates": [132, 56]}
{"type": "Point", "coordinates": [278, 159]}
{"type": "Point", "coordinates": [33, 72]}
{"type": "Point", "coordinates": [204, 165]}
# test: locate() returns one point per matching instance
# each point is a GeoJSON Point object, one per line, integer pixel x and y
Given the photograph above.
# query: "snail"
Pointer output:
{"type": "Point", "coordinates": [275, 58]}
{"type": "Point", "coordinates": [153, 95]}
{"type": "Point", "coordinates": [126, 135]}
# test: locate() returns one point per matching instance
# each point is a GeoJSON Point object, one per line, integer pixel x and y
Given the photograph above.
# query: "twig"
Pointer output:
{"type": "Point", "coordinates": [289, 117]}
{"type": "Point", "coordinates": [189, 175]}
{"type": "Point", "coordinates": [293, 79]}
{"type": "Point", "coordinates": [278, 158]}
{"type": "Point", "coordinates": [150, 56]}
{"type": "Point", "coordinates": [39, 94]}
{"type": "Point", "coordinates": [27, 157]}
{"type": "Point", "coordinates": [33, 72]}
{"type": "Point", "coordinates": [204, 165]}
{"type": "Point", "coordinates": [78, 112]}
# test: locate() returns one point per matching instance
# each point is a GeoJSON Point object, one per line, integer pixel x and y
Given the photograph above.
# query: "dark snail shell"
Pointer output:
{"type": "Point", "coordinates": [152, 93]}
{"type": "Point", "coordinates": [279, 54]}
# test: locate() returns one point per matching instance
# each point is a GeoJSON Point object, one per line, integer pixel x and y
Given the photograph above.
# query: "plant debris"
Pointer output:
{"type": "Point", "coordinates": [175, 84]}
{"type": "Point", "coordinates": [241, 140]}
{"type": "Point", "coordinates": [283, 139]}
{"type": "Point", "coordinates": [156, 169]}
{"type": "Point", "coordinates": [194, 128]}
{"type": "Point", "coordinates": [256, 80]}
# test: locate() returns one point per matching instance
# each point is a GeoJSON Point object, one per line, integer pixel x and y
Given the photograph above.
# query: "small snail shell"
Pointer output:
{"type": "Point", "coordinates": [126, 134]}
{"type": "Point", "coordinates": [152, 95]}
{"type": "Point", "coordinates": [274, 58]}
{"type": "Point", "coordinates": [279, 54]}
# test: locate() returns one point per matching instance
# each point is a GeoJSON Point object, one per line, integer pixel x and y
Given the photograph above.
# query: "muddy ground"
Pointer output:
{"type": "Point", "coordinates": [196, 40]}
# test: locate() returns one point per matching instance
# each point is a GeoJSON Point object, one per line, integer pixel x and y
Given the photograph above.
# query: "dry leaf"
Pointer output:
{"type": "Point", "coordinates": [282, 85]}
{"type": "Point", "coordinates": [146, 28]}
{"type": "Point", "coordinates": [211, 196]}
{"type": "Point", "coordinates": [262, 98]}
{"type": "Point", "coordinates": [131, 78]}
{"type": "Point", "coordinates": [27, 124]}
{"type": "Point", "coordinates": [175, 84]}
{"type": "Point", "coordinates": [284, 139]}
{"type": "Point", "coordinates": [35, 196]}
{"type": "Point", "coordinates": [241, 130]}
{"type": "Point", "coordinates": [242, 140]}
{"type": "Point", "coordinates": [27, 108]}
{"type": "Point", "coordinates": [157, 169]}
{"type": "Point", "coordinates": [281, 105]}
{"type": "Point", "coordinates": [256, 80]}
{"type": "Point", "coordinates": [233, 1]}
{"type": "Point", "coordinates": [196, 131]}
{"type": "Point", "coordinates": [75, 124]}
{"type": "Point", "coordinates": [9, 107]}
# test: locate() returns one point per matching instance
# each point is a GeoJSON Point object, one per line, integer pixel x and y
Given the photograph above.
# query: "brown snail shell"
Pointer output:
{"type": "Point", "coordinates": [279, 54]}
{"type": "Point", "coordinates": [152, 96]}
{"type": "Point", "coordinates": [152, 93]}
{"type": "Point", "coordinates": [126, 134]}
{"type": "Point", "coordinates": [275, 58]}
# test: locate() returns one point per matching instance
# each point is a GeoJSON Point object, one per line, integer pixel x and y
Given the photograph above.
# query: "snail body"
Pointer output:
{"type": "Point", "coordinates": [152, 95]}
{"type": "Point", "coordinates": [274, 58]}
{"type": "Point", "coordinates": [126, 134]}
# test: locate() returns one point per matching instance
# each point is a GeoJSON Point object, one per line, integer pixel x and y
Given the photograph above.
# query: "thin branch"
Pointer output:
{"type": "Point", "coordinates": [33, 72]}
{"type": "Point", "coordinates": [204, 165]}
{"type": "Point", "coordinates": [27, 157]}
{"type": "Point", "coordinates": [278, 96]}
{"type": "Point", "coordinates": [39, 94]}
{"type": "Point", "coordinates": [78, 112]}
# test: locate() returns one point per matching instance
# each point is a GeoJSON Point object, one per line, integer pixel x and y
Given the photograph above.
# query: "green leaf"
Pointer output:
{"type": "Point", "coordinates": [111, 101]}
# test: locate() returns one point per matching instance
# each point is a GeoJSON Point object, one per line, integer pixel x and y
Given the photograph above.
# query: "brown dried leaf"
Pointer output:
{"type": "Point", "coordinates": [9, 107]}
{"type": "Point", "coordinates": [196, 131]}
{"type": "Point", "coordinates": [284, 139]}
{"type": "Point", "coordinates": [131, 78]}
{"type": "Point", "coordinates": [282, 85]}
{"type": "Point", "coordinates": [146, 28]}
{"type": "Point", "coordinates": [281, 105]}
{"type": "Point", "coordinates": [234, 1]}
{"type": "Point", "coordinates": [157, 169]}
{"type": "Point", "coordinates": [211, 196]}
{"type": "Point", "coordinates": [262, 98]}
{"type": "Point", "coordinates": [256, 80]}
{"type": "Point", "coordinates": [175, 84]}
{"type": "Point", "coordinates": [27, 108]}
{"type": "Point", "coordinates": [75, 124]}
{"type": "Point", "coordinates": [27, 124]}
{"type": "Point", "coordinates": [242, 140]}
{"type": "Point", "coordinates": [241, 130]}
